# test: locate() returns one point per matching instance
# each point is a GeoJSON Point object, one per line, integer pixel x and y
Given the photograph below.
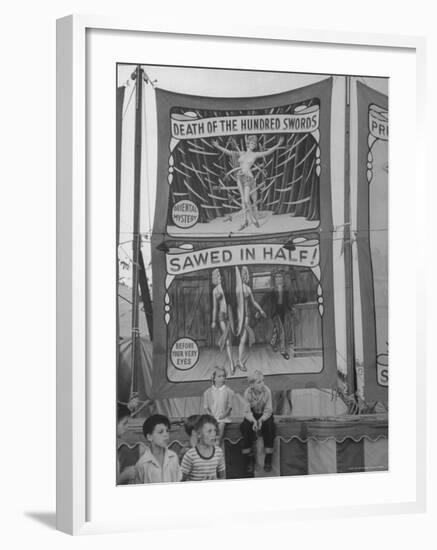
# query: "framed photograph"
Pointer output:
{"type": "Point", "coordinates": [232, 275]}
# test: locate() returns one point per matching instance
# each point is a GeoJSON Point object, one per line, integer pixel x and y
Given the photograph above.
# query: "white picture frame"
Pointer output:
{"type": "Point", "coordinates": [75, 202]}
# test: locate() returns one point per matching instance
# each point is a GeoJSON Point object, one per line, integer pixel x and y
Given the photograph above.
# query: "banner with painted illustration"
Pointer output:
{"type": "Point", "coordinates": [242, 241]}
{"type": "Point", "coordinates": [372, 244]}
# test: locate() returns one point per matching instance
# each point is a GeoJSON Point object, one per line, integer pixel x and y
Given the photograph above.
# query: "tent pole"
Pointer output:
{"type": "Point", "coordinates": [350, 331]}
{"type": "Point", "coordinates": [119, 130]}
{"type": "Point", "coordinates": [145, 295]}
{"type": "Point", "coordinates": [136, 240]}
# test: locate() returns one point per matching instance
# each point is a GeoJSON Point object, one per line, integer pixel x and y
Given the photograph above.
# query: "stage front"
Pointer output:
{"type": "Point", "coordinates": [303, 445]}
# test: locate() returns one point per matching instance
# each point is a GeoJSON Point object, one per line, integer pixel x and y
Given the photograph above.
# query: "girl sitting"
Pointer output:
{"type": "Point", "coordinates": [217, 401]}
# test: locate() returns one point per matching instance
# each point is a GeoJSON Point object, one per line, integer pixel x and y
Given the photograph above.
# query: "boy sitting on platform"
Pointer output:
{"type": "Point", "coordinates": [205, 460]}
{"type": "Point", "coordinates": [258, 417]}
{"type": "Point", "coordinates": [158, 464]}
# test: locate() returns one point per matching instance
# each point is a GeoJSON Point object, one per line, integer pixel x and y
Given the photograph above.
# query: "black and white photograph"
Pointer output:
{"type": "Point", "coordinates": [219, 306]}
{"type": "Point", "coordinates": [252, 273]}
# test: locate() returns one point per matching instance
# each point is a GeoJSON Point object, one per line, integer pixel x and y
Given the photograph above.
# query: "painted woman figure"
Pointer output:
{"type": "Point", "coordinates": [244, 161]}
{"type": "Point", "coordinates": [279, 304]}
{"type": "Point", "coordinates": [220, 312]}
{"type": "Point", "coordinates": [247, 335]}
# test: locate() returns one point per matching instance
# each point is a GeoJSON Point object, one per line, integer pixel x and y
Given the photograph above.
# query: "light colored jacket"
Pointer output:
{"type": "Point", "coordinates": [259, 403]}
{"type": "Point", "coordinates": [148, 470]}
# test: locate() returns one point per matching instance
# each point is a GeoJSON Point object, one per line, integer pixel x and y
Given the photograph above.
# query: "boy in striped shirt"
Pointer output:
{"type": "Point", "coordinates": [205, 460]}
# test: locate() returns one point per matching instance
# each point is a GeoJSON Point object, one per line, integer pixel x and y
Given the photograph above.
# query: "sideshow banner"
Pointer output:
{"type": "Point", "coordinates": [242, 241]}
{"type": "Point", "coordinates": [372, 239]}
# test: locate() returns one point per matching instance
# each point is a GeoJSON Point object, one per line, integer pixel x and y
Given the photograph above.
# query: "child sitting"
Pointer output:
{"type": "Point", "coordinates": [205, 460]}
{"type": "Point", "coordinates": [258, 417]}
{"type": "Point", "coordinates": [158, 463]}
{"type": "Point", "coordinates": [217, 401]}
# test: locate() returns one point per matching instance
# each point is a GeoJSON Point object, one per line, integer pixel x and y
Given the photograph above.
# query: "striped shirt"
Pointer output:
{"type": "Point", "coordinates": [196, 467]}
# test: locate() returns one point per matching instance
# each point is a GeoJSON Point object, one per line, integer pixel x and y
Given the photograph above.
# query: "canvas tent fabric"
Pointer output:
{"type": "Point", "coordinates": [372, 240]}
{"type": "Point", "coordinates": [181, 400]}
{"type": "Point", "coordinates": [191, 174]}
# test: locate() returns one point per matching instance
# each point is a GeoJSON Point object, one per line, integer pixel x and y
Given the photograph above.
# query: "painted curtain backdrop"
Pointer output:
{"type": "Point", "coordinates": [372, 240]}
{"type": "Point", "coordinates": [242, 241]}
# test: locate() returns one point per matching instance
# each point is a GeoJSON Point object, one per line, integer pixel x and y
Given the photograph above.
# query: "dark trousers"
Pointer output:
{"type": "Point", "coordinates": [267, 432]}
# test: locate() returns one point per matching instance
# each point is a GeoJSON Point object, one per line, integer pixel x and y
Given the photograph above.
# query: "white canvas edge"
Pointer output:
{"type": "Point", "coordinates": [71, 265]}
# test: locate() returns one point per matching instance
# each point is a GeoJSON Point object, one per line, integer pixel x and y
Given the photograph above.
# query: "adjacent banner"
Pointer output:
{"type": "Point", "coordinates": [372, 239]}
{"type": "Point", "coordinates": [242, 241]}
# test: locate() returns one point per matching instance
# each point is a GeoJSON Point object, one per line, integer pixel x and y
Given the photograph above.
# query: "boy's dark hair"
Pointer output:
{"type": "Point", "coordinates": [205, 419]}
{"type": "Point", "coordinates": [122, 412]}
{"type": "Point", "coordinates": [191, 423]}
{"type": "Point", "coordinates": [151, 423]}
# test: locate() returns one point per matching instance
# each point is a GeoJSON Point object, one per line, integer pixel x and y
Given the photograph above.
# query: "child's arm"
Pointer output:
{"type": "Point", "coordinates": [228, 409]}
{"type": "Point", "coordinates": [268, 409]}
{"type": "Point", "coordinates": [139, 475]}
{"type": "Point", "coordinates": [221, 467]}
{"type": "Point", "coordinates": [186, 466]}
{"type": "Point", "coordinates": [247, 413]}
{"type": "Point", "coordinates": [206, 401]}
{"type": "Point", "coordinates": [226, 414]}
{"type": "Point", "coordinates": [178, 473]}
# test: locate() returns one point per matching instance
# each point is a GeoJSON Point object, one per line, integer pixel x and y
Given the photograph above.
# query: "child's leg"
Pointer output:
{"type": "Point", "coordinates": [248, 434]}
{"type": "Point", "coordinates": [268, 433]}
